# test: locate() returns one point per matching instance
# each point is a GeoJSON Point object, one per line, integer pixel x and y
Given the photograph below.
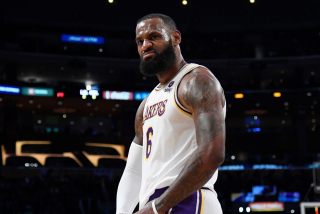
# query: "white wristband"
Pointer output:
{"type": "Point", "coordinates": [154, 207]}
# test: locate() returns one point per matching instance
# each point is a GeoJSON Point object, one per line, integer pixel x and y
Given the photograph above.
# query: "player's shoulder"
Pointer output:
{"type": "Point", "coordinates": [199, 88]}
{"type": "Point", "coordinates": [142, 104]}
{"type": "Point", "coordinates": [200, 69]}
{"type": "Point", "coordinates": [139, 113]}
{"type": "Point", "coordinates": [200, 76]}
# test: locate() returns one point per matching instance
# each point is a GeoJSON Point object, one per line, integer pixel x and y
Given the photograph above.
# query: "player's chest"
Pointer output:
{"type": "Point", "coordinates": [159, 110]}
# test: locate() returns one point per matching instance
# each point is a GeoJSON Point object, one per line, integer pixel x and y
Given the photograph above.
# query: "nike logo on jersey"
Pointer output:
{"type": "Point", "coordinates": [155, 109]}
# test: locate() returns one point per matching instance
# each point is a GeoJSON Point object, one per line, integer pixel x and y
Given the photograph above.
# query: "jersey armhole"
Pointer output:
{"type": "Point", "coordinates": [176, 100]}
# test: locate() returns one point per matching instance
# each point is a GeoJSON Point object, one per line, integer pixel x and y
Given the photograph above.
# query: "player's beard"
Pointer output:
{"type": "Point", "coordinates": [161, 62]}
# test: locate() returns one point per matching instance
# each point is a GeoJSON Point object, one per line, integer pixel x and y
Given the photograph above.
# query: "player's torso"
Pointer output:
{"type": "Point", "coordinates": [166, 127]}
{"type": "Point", "coordinates": [169, 135]}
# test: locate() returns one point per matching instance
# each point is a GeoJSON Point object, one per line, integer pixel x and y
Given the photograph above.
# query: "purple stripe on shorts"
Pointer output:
{"type": "Point", "coordinates": [157, 193]}
{"type": "Point", "coordinates": [187, 206]}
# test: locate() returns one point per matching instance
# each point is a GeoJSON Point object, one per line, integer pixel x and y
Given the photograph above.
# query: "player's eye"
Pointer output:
{"type": "Point", "coordinates": [154, 37]}
{"type": "Point", "coordinates": [139, 42]}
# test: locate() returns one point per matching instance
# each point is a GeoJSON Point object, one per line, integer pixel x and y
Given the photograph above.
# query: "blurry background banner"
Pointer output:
{"type": "Point", "coordinates": [82, 39]}
{"type": "Point", "coordinates": [70, 83]}
{"type": "Point", "coordinates": [29, 91]}
{"type": "Point", "coordinates": [5, 89]}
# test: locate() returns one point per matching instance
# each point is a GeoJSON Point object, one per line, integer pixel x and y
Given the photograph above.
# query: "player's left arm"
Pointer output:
{"type": "Point", "coordinates": [201, 93]}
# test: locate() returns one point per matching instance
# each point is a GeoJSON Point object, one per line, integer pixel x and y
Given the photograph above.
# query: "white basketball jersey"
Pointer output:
{"type": "Point", "coordinates": [169, 138]}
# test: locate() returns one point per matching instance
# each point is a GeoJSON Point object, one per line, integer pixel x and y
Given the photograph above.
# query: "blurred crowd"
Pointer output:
{"type": "Point", "coordinates": [51, 193]}
{"type": "Point", "coordinates": [35, 191]}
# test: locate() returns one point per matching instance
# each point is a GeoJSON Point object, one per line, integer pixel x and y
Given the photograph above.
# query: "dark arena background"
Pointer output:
{"type": "Point", "coordinates": [70, 86]}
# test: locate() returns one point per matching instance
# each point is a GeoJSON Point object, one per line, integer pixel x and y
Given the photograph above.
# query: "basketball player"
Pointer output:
{"type": "Point", "coordinates": [180, 130]}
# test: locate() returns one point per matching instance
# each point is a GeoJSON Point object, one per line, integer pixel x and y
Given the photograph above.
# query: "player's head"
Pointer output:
{"type": "Point", "coordinates": [158, 42]}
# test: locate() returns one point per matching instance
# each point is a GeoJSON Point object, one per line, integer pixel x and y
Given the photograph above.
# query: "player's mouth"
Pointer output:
{"type": "Point", "coordinates": [148, 54]}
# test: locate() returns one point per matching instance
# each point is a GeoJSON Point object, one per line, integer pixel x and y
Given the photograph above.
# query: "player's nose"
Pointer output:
{"type": "Point", "coordinates": [146, 45]}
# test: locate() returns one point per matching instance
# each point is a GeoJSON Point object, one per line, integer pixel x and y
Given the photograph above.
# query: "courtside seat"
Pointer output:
{"type": "Point", "coordinates": [111, 163]}
{"type": "Point", "coordinates": [105, 151]}
{"type": "Point", "coordinates": [22, 161]}
{"type": "Point", "coordinates": [36, 148]}
{"type": "Point", "coordinates": [61, 162]}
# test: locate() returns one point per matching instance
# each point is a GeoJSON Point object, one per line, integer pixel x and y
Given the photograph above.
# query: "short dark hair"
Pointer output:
{"type": "Point", "coordinates": [168, 21]}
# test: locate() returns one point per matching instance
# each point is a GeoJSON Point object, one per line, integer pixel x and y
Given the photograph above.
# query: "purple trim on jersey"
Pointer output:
{"type": "Point", "coordinates": [200, 201]}
{"type": "Point", "coordinates": [179, 105]}
{"type": "Point", "coordinates": [187, 206]}
{"type": "Point", "coordinates": [159, 88]}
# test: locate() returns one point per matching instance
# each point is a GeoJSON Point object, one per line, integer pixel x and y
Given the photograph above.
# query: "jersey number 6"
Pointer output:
{"type": "Point", "coordinates": [149, 142]}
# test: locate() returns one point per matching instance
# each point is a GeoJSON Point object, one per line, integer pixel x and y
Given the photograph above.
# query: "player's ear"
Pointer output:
{"type": "Point", "coordinates": [176, 38]}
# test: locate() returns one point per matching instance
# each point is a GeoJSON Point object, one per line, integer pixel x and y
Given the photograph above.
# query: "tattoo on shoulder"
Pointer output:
{"type": "Point", "coordinates": [200, 93]}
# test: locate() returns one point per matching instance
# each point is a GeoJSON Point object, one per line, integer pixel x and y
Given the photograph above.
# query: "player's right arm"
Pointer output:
{"type": "Point", "coordinates": [130, 183]}
{"type": "Point", "coordinates": [138, 139]}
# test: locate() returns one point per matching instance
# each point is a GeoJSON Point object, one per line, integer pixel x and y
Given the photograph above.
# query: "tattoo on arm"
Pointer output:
{"type": "Point", "coordinates": [204, 96]}
{"type": "Point", "coordinates": [205, 100]}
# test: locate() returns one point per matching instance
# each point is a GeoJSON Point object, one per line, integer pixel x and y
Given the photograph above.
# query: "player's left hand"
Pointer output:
{"type": "Point", "coordinates": [147, 209]}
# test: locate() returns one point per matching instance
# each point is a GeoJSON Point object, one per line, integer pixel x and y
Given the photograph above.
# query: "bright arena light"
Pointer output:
{"type": "Point", "coordinates": [277, 94]}
{"type": "Point", "coordinates": [184, 2]}
{"type": "Point", "coordinates": [238, 96]}
{"type": "Point", "coordinates": [240, 209]}
{"type": "Point", "coordinates": [110, 1]}
{"type": "Point", "coordinates": [248, 209]}
{"type": "Point", "coordinates": [252, 1]}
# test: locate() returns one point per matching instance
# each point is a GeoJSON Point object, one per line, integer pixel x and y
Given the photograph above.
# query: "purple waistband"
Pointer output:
{"type": "Point", "coordinates": [189, 205]}
{"type": "Point", "coordinates": [158, 192]}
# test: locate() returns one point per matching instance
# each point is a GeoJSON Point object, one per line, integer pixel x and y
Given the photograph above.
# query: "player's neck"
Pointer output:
{"type": "Point", "coordinates": [167, 75]}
